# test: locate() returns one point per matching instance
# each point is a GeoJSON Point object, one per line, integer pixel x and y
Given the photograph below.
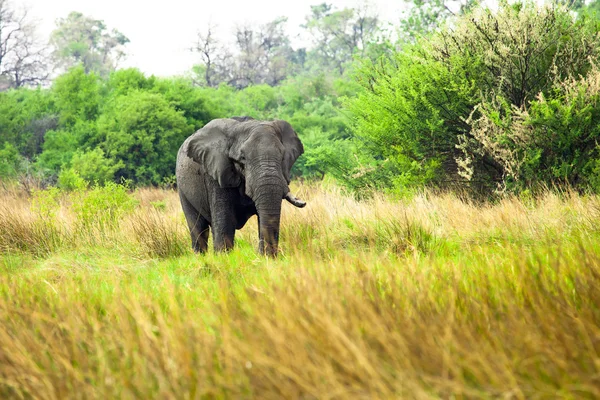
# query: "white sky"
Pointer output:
{"type": "Point", "coordinates": [161, 32]}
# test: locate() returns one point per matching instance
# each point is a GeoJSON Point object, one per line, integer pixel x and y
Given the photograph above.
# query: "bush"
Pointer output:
{"type": "Point", "coordinates": [93, 166]}
{"type": "Point", "coordinates": [552, 141]}
{"type": "Point", "coordinates": [70, 180]}
{"type": "Point", "coordinates": [142, 132]}
{"type": "Point", "coordinates": [10, 162]}
{"type": "Point", "coordinates": [442, 110]}
{"type": "Point", "coordinates": [102, 206]}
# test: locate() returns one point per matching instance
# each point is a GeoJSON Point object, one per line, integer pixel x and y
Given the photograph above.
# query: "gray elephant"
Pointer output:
{"type": "Point", "coordinates": [232, 169]}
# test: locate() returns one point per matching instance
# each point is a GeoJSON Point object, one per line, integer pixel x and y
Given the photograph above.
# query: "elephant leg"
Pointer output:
{"type": "Point", "coordinates": [197, 224]}
{"type": "Point", "coordinates": [223, 218]}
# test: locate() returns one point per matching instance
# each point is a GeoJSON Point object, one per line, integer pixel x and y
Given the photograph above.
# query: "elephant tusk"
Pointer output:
{"type": "Point", "coordinates": [294, 200]}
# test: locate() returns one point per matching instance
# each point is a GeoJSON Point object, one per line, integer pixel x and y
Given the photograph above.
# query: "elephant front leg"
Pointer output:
{"type": "Point", "coordinates": [223, 230]}
{"type": "Point", "coordinates": [223, 219]}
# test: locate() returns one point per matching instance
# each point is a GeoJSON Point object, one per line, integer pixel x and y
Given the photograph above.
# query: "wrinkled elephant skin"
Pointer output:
{"type": "Point", "coordinates": [232, 169]}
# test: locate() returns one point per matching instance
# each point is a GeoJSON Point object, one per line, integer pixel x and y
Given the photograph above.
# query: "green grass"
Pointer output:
{"type": "Point", "coordinates": [427, 298]}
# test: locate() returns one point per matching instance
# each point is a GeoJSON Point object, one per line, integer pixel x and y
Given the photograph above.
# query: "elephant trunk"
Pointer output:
{"type": "Point", "coordinates": [268, 207]}
{"type": "Point", "coordinates": [268, 225]}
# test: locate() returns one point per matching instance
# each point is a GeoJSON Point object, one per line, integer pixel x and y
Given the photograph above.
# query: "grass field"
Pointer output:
{"type": "Point", "coordinates": [432, 297]}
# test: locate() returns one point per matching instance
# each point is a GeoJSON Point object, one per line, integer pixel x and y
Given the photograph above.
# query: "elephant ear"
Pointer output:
{"type": "Point", "coordinates": [292, 146]}
{"type": "Point", "coordinates": [209, 147]}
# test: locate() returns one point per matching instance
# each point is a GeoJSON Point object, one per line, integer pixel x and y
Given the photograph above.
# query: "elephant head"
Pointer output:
{"type": "Point", "coordinates": [256, 157]}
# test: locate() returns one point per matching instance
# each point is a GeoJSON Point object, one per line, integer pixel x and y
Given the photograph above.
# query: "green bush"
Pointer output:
{"type": "Point", "coordinates": [142, 133]}
{"type": "Point", "coordinates": [77, 96]}
{"type": "Point", "coordinates": [102, 206]}
{"type": "Point", "coordinates": [25, 117]}
{"type": "Point", "coordinates": [443, 111]}
{"type": "Point", "coordinates": [554, 141]}
{"type": "Point", "coordinates": [10, 162]}
{"type": "Point", "coordinates": [93, 166]}
{"type": "Point", "coordinates": [70, 180]}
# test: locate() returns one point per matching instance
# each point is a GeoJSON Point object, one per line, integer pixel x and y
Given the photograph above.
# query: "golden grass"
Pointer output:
{"type": "Point", "coordinates": [431, 297]}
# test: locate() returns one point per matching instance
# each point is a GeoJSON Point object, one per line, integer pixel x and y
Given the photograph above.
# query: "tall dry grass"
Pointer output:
{"type": "Point", "coordinates": [432, 297]}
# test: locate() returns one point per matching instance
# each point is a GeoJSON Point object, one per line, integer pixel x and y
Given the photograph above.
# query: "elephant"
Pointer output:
{"type": "Point", "coordinates": [234, 168]}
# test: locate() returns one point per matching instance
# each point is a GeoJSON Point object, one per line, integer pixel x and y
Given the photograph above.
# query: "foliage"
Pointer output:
{"type": "Point", "coordinates": [489, 101]}
{"type": "Point", "coordinates": [102, 207]}
{"type": "Point", "coordinates": [429, 111]}
{"type": "Point", "coordinates": [137, 122]}
{"type": "Point", "coordinates": [25, 117]}
{"type": "Point", "coordinates": [425, 16]}
{"type": "Point", "coordinates": [70, 180]}
{"type": "Point", "coordinates": [77, 96]}
{"type": "Point", "coordinates": [82, 40]}
{"type": "Point", "coordinates": [191, 101]}
{"type": "Point", "coordinates": [338, 35]}
{"type": "Point", "coordinates": [553, 141]}
{"type": "Point", "coordinates": [46, 203]}
{"type": "Point", "coordinates": [143, 132]}
{"type": "Point", "coordinates": [10, 161]}
{"type": "Point", "coordinates": [93, 166]}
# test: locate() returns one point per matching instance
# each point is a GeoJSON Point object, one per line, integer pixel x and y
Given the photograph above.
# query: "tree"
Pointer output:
{"type": "Point", "coordinates": [83, 40]}
{"type": "Point", "coordinates": [208, 48]}
{"type": "Point", "coordinates": [22, 56]}
{"type": "Point", "coordinates": [143, 131]}
{"type": "Point", "coordinates": [77, 96]}
{"type": "Point", "coordinates": [94, 167]}
{"type": "Point", "coordinates": [262, 55]}
{"type": "Point", "coordinates": [339, 35]}
{"type": "Point", "coordinates": [425, 16]}
{"type": "Point", "coordinates": [25, 117]}
{"type": "Point", "coordinates": [10, 161]}
{"type": "Point", "coordinates": [501, 99]}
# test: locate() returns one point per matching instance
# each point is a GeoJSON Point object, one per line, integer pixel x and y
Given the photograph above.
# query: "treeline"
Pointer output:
{"type": "Point", "coordinates": [98, 123]}
{"type": "Point", "coordinates": [502, 100]}
{"type": "Point", "coordinates": [130, 126]}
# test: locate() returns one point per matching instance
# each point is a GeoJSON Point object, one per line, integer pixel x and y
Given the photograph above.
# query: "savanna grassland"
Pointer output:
{"type": "Point", "coordinates": [429, 297]}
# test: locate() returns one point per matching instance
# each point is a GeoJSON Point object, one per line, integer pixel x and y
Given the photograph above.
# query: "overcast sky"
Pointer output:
{"type": "Point", "coordinates": [161, 32]}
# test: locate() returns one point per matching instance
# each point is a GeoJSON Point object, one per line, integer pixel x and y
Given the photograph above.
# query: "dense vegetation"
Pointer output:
{"type": "Point", "coordinates": [505, 99]}
{"type": "Point", "coordinates": [495, 100]}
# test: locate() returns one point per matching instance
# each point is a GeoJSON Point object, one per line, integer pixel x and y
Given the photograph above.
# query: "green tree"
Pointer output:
{"type": "Point", "coordinates": [143, 131]}
{"type": "Point", "coordinates": [192, 102]}
{"type": "Point", "coordinates": [122, 81]}
{"type": "Point", "coordinates": [77, 96]}
{"type": "Point", "coordinates": [25, 117]}
{"type": "Point", "coordinates": [79, 39]}
{"type": "Point", "coordinates": [10, 162]}
{"type": "Point", "coordinates": [93, 166]}
{"type": "Point", "coordinates": [58, 149]}
{"type": "Point", "coordinates": [446, 109]}
{"type": "Point", "coordinates": [338, 35]}
{"type": "Point", "coordinates": [425, 16]}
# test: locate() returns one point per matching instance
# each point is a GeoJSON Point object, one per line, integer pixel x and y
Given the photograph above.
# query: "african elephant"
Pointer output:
{"type": "Point", "coordinates": [232, 169]}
